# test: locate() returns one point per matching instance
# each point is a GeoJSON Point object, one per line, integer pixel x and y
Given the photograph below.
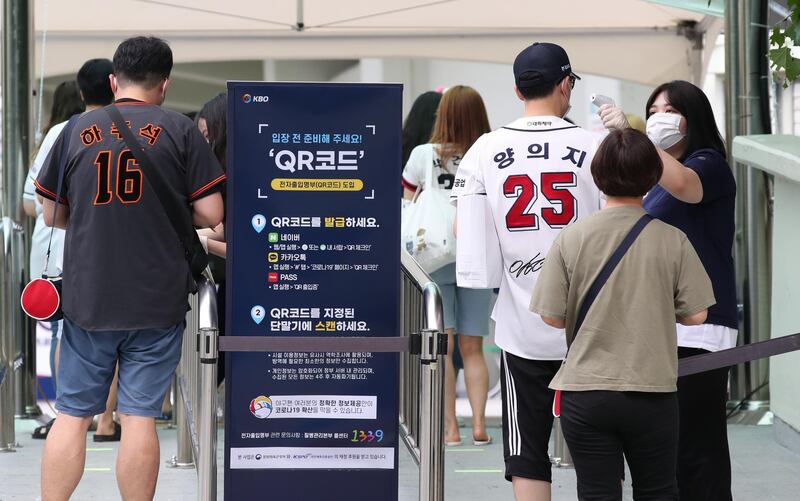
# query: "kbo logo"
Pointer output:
{"type": "Point", "coordinates": [249, 98]}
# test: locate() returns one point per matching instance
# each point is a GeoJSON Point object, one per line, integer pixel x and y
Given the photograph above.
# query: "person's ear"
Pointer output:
{"type": "Point", "coordinates": [112, 80]}
{"type": "Point", "coordinates": [564, 85]}
{"type": "Point", "coordinates": [81, 94]}
{"type": "Point", "coordinates": [518, 93]}
{"type": "Point", "coordinates": [167, 82]}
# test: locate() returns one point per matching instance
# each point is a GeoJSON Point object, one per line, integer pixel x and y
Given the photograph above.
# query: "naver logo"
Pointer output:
{"type": "Point", "coordinates": [249, 98]}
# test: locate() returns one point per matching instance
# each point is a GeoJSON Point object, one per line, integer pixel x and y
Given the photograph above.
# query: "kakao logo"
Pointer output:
{"type": "Point", "coordinates": [261, 407]}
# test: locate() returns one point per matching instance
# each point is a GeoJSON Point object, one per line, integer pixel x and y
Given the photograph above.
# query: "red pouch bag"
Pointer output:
{"type": "Point", "coordinates": [41, 299]}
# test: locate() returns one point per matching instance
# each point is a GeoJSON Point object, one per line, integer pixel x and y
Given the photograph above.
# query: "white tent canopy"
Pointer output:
{"type": "Point", "coordinates": [634, 40]}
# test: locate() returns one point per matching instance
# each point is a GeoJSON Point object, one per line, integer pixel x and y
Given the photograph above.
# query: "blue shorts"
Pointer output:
{"type": "Point", "coordinates": [147, 360]}
{"type": "Point", "coordinates": [465, 310]}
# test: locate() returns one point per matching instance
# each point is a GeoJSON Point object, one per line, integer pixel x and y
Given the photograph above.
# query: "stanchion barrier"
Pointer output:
{"type": "Point", "coordinates": [738, 355]}
{"type": "Point", "coordinates": [561, 457]}
{"type": "Point", "coordinates": [422, 345]}
{"type": "Point", "coordinates": [692, 365]}
{"type": "Point", "coordinates": [207, 343]}
{"type": "Point", "coordinates": [25, 380]}
{"type": "Point", "coordinates": [7, 343]}
{"type": "Point", "coordinates": [186, 382]}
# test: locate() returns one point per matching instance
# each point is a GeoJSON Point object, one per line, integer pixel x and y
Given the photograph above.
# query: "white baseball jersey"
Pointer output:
{"type": "Point", "coordinates": [536, 175]}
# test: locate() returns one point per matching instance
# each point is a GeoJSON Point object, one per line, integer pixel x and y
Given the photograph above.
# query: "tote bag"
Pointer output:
{"type": "Point", "coordinates": [426, 231]}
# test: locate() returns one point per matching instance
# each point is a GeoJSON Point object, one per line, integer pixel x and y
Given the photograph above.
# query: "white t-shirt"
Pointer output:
{"type": "Point", "coordinates": [416, 169]}
{"type": "Point", "coordinates": [536, 175]}
{"type": "Point", "coordinates": [41, 232]}
{"type": "Point", "coordinates": [709, 337]}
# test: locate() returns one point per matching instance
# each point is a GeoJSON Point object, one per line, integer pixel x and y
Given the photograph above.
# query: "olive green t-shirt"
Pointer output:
{"type": "Point", "coordinates": [628, 340]}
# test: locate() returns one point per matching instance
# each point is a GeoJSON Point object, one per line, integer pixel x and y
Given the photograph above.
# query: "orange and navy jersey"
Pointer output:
{"type": "Point", "coordinates": [124, 267]}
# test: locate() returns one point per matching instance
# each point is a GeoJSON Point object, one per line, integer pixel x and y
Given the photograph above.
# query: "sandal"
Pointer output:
{"type": "Point", "coordinates": [40, 432]}
{"type": "Point", "coordinates": [479, 443]}
{"type": "Point", "coordinates": [110, 438]}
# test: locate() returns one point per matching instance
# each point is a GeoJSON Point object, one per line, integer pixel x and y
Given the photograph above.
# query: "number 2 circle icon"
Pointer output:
{"type": "Point", "coordinates": [257, 314]}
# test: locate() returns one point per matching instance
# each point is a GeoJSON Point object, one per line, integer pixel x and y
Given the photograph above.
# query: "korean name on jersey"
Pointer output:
{"type": "Point", "coordinates": [535, 173]}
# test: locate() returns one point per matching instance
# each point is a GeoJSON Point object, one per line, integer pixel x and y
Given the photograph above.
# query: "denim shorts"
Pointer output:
{"type": "Point", "coordinates": [465, 310]}
{"type": "Point", "coordinates": [147, 360]}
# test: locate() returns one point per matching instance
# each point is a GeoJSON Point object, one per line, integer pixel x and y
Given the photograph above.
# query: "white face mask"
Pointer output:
{"type": "Point", "coordinates": [664, 129]}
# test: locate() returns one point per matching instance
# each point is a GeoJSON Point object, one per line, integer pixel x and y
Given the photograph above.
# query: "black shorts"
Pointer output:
{"type": "Point", "coordinates": [527, 415]}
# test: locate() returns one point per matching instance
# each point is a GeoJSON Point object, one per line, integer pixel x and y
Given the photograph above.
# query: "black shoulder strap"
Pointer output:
{"type": "Point", "coordinates": [179, 216]}
{"type": "Point", "coordinates": [608, 268]}
{"type": "Point", "coordinates": [63, 159]}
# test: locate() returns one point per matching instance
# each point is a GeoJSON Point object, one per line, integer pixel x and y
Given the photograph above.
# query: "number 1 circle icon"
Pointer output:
{"type": "Point", "coordinates": [257, 314]}
{"type": "Point", "coordinates": [259, 223]}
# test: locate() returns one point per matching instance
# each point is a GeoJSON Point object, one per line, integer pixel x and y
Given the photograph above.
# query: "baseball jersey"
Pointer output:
{"type": "Point", "coordinates": [419, 162]}
{"type": "Point", "coordinates": [536, 175]}
{"type": "Point", "coordinates": [124, 266]}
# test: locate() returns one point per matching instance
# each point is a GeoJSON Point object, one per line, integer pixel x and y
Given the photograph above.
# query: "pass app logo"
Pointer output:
{"type": "Point", "coordinates": [261, 407]}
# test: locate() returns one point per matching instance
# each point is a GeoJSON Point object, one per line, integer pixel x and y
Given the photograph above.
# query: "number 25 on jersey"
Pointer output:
{"type": "Point", "coordinates": [555, 187]}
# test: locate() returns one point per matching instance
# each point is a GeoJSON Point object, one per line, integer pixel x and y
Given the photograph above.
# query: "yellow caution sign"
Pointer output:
{"type": "Point", "coordinates": [284, 184]}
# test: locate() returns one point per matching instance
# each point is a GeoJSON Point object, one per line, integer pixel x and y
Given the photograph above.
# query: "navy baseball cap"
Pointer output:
{"type": "Point", "coordinates": [541, 63]}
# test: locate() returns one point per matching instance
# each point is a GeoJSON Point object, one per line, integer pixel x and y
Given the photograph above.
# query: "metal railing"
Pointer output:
{"type": "Point", "coordinates": [422, 377]}
{"type": "Point", "coordinates": [8, 343]}
{"type": "Point", "coordinates": [421, 383]}
{"type": "Point", "coordinates": [195, 408]}
{"type": "Point", "coordinates": [561, 457]}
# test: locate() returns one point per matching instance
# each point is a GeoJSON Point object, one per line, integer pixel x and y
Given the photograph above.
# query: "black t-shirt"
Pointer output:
{"type": "Point", "coordinates": [124, 267]}
{"type": "Point", "coordinates": [709, 225]}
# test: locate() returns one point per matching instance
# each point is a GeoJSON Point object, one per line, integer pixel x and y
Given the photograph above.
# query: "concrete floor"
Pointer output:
{"type": "Point", "coordinates": [762, 471]}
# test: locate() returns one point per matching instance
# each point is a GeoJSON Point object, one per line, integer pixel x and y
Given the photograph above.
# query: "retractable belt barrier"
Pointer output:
{"type": "Point", "coordinates": [412, 344]}
{"type": "Point", "coordinates": [686, 366]}
{"type": "Point", "coordinates": [738, 355]}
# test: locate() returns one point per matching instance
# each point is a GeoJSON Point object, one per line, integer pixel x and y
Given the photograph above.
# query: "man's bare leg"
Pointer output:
{"type": "Point", "coordinates": [105, 422]}
{"type": "Point", "coordinates": [527, 489]}
{"type": "Point", "coordinates": [138, 458]}
{"type": "Point", "coordinates": [64, 457]}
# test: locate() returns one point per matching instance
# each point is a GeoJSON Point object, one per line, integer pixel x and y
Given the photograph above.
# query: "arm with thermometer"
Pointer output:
{"type": "Point", "coordinates": [599, 100]}
{"type": "Point", "coordinates": [612, 117]}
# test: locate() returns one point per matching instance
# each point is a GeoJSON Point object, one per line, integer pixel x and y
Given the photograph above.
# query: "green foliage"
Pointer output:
{"type": "Point", "coordinates": [786, 35]}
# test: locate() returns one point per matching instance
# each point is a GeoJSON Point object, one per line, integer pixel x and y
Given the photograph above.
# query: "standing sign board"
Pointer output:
{"type": "Point", "coordinates": [313, 216]}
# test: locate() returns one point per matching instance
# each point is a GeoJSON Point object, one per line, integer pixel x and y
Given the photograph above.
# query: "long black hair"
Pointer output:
{"type": "Point", "coordinates": [418, 126]}
{"type": "Point", "coordinates": [692, 103]}
{"type": "Point", "coordinates": [66, 102]}
{"type": "Point", "coordinates": [215, 113]}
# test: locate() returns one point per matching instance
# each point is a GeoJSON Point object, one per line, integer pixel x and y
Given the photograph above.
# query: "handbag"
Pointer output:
{"type": "Point", "coordinates": [41, 299]}
{"type": "Point", "coordinates": [426, 231]}
{"type": "Point", "coordinates": [598, 284]}
{"type": "Point", "coordinates": [179, 216]}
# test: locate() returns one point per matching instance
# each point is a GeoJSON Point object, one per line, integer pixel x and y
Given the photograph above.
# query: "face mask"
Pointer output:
{"type": "Point", "coordinates": [664, 129]}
